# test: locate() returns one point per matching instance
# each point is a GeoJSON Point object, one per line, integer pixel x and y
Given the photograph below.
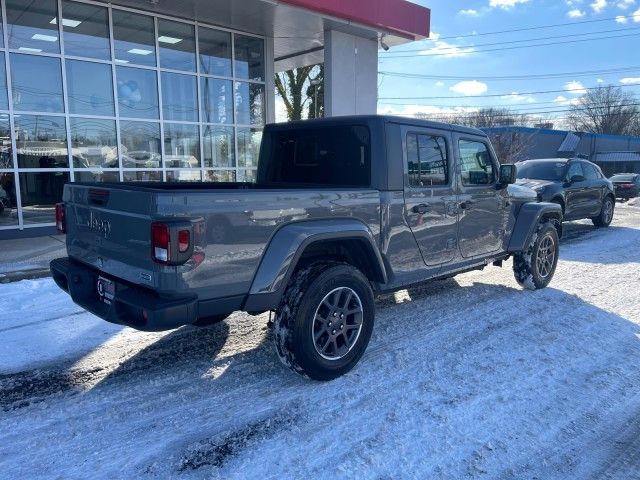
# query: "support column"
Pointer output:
{"type": "Point", "coordinates": [351, 74]}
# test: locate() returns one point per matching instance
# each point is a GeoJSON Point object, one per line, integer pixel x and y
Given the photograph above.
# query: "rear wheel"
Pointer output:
{"type": "Point", "coordinates": [324, 322]}
{"type": "Point", "coordinates": [606, 213]}
{"type": "Point", "coordinates": [534, 267]}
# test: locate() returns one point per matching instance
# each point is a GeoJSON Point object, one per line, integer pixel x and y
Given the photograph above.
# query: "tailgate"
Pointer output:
{"type": "Point", "coordinates": [109, 228]}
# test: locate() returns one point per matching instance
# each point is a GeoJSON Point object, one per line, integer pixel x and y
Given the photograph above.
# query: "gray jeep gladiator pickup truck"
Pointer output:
{"type": "Point", "coordinates": [343, 209]}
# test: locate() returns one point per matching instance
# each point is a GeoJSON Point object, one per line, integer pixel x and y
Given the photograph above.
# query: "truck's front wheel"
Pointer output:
{"type": "Point", "coordinates": [534, 267]}
{"type": "Point", "coordinates": [324, 322]}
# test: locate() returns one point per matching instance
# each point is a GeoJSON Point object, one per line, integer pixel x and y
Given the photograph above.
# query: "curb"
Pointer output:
{"type": "Point", "coordinates": [31, 274]}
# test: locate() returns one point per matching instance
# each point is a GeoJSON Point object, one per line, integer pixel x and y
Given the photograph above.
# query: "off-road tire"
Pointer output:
{"type": "Point", "coordinates": [606, 216]}
{"type": "Point", "coordinates": [526, 267]}
{"type": "Point", "coordinates": [212, 320]}
{"type": "Point", "coordinates": [294, 319]}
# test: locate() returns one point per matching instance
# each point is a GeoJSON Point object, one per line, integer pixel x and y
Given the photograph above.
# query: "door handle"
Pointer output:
{"type": "Point", "coordinates": [422, 208]}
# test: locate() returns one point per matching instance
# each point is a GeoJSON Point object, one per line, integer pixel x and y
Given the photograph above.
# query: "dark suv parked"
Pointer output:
{"type": "Point", "coordinates": [627, 185]}
{"type": "Point", "coordinates": [577, 185]}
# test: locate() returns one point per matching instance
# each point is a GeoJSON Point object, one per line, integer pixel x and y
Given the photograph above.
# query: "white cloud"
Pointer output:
{"type": "Point", "coordinates": [621, 19]}
{"type": "Point", "coordinates": [505, 4]}
{"type": "Point", "coordinates": [599, 5]}
{"type": "Point", "coordinates": [636, 16]}
{"type": "Point", "coordinates": [564, 101]}
{"type": "Point", "coordinates": [439, 84]}
{"type": "Point", "coordinates": [575, 88]}
{"type": "Point", "coordinates": [470, 88]}
{"type": "Point", "coordinates": [600, 80]}
{"type": "Point", "coordinates": [469, 12]}
{"type": "Point", "coordinates": [630, 81]}
{"type": "Point", "coordinates": [446, 49]}
{"type": "Point", "coordinates": [624, 4]}
{"type": "Point", "coordinates": [423, 110]}
{"type": "Point", "coordinates": [515, 97]}
{"type": "Point", "coordinates": [575, 13]}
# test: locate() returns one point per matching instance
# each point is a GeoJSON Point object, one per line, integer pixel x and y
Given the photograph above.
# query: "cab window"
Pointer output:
{"type": "Point", "coordinates": [428, 160]}
{"type": "Point", "coordinates": [574, 169]}
{"type": "Point", "coordinates": [590, 172]}
{"type": "Point", "coordinates": [476, 166]}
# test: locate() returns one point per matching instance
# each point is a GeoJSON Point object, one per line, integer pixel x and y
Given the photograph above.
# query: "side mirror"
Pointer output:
{"type": "Point", "coordinates": [507, 174]}
{"type": "Point", "coordinates": [576, 179]}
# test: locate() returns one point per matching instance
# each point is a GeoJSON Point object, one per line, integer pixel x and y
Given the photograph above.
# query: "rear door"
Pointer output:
{"type": "Point", "coordinates": [482, 208]}
{"type": "Point", "coordinates": [429, 193]}
{"type": "Point", "coordinates": [577, 205]}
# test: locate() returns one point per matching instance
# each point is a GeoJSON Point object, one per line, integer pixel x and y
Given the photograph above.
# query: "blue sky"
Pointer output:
{"type": "Point", "coordinates": [450, 54]}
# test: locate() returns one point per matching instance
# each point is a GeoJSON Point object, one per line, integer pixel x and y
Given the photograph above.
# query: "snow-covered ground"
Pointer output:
{"type": "Point", "coordinates": [467, 378]}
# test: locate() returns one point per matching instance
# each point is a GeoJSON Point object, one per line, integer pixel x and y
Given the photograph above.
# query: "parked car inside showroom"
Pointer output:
{"type": "Point", "coordinates": [577, 185]}
{"type": "Point", "coordinates": [627, 185]}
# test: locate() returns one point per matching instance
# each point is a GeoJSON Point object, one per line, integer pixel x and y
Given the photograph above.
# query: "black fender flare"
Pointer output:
{"type": "Point", "coordinates": [287, 245]}
{"type": "Point", "coordinates": [529, 217]}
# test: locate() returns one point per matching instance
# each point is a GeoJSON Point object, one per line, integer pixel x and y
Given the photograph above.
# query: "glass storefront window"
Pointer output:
{"type": "Point", "coordinates": [37, 83]}
{"type": "Point", "coordinates": [216, 100]}
{"type": "Point", "coordinates": [93, 143]}
{"type": "Point", "coordinates": [137, 92]}
{"type": "Point", "coordinates": [8, 201]}
{"type": "Point", "coordinates": [179, 98]}
{"type": "Point", "coordinates": [134, 38]}
{"type": "Point", "coordinates": [41, 141]}
{"type": "Point", "coordinates": [181, 145]}
{"type": "Point", "coordinates": [177, 45]}
{"type": "Point", "coordinates": [249, 58]}
{"type": "Point", "coordinates": [85, 30]}
{"type": "Point", "coordinates": [6, 158]}
{"type": "Point", "coordinates": [249, 140]}
{"type": "Point", "coordinates": [250, 103]}
{"type": "Point", "coordinates": [33, 25]}
{"type": "Point", "coordinates": [142, 176]}
{"type": "Point", "coordinates": [89, 88]}
{"type": "Point", "coordinates": [247, 176]}
{"type": "Point", "coordinates": [4, 96]}
{"type": "Point", "coordinates": [97, 176]}
{"type": "Point", "coordinates": [219, 176]}
{"type": "Point", "coordinates": [141, 144]}
{"type": "Point", "coordinates": [218, 146]}
{"type": "Point", "coordinates": [40, 191]}
{"type": "Point", "coordinates": [215, 52]}
{"type": "Point", "coordinates": [183, 176]}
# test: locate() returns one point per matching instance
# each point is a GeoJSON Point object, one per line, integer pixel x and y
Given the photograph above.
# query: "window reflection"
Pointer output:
{"type": "Point", "coordinates": [183, 176]}
{"type": "Point", "coordinates": [37, 83]}
{"type": "Point", "coordinates": [133, 38]}
{"type": "Point", "coordinates": [218, 146]}
{"type": "Point", "coordinates": [8, 201]}
{"type": "Point", "coordinates": [179, 99]}
{"type": "Point", "coordinates": [249, 103]}
{"type": "Point", "coordinates": [181, 146]}
{"type": "Point", "coordinates": [219, 176]}
{"type": "Point", "coordinates": [93, 143]}
{"type": "Point", "coordinates": [177, 45]}
{"type": "Point", "coordinates": [249, 58]}
{"type": "Point", "coordinates": [215, 52]}
{"type": "Point", "coordinates": [4, 98]}
{"type": "Point", "coordinates": [86, 30]}
{"type": "Point", "coordinates": [40, 191]}
{"type": "Point", "coordinates": [142, 176]}
{"type": "Point", "coordinates": [6, 160]}
{"type": "Point", "coordinates": [33, 25]}
{"type": "Point", "coordinates": [216, 100]}
{"type": "Point", "coordinates": [140, 144]}
{"type": "Point", "coordinates": [249, 140]}
{"type": "Point", "coordinates": [89, 88]}
{"type": "Point", "coordinates": [247, 176]}
{"type": "Point", "coordinates": [41, 141]}
{"type": "Point", "coordinates": [97, 176]}
{"type": "Point", "coordinates": [137, 92]}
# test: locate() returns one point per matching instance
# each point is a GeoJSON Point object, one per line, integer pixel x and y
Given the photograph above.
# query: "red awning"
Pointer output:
{"type": "Point", "coordinates": [399, 16]}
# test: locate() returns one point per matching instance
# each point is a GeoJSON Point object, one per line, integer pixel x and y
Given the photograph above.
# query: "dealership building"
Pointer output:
{"type": "Point", "coordinates": [167, 90]}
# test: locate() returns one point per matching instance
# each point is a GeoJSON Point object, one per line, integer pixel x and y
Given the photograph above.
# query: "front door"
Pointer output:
{"type": "Point", "coordinates": [577, 193]}
{"type": "Point", "coordinates": [429, 194]}
{"type": "Point", "coordinates": [482, 208]}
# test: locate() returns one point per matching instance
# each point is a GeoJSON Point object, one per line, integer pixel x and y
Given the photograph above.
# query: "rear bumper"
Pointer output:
{"type": "Point", "coordinates": [627, 192]}
{"type": "Point", "coordinates": [132, 306]}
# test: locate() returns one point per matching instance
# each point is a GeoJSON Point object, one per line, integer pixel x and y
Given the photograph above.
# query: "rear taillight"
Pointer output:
{"type": "Point", "coordinates": [61, 218]}
{"type": "Point", "coordinates": [627, 185]}
{"type": "Point", "coordinates": [160, 242]}
{"type": "Point", "coordinates": [184, 240]}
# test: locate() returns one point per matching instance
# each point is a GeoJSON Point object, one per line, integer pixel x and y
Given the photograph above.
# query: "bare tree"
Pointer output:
{"type": "Point", "coordinates": [606, 110]}
{"type": "Point", "coordinates": [293, 86]}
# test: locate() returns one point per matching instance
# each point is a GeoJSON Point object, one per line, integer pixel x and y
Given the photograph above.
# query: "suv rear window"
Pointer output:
{"type": "Point", "coordinates": [330, 156]}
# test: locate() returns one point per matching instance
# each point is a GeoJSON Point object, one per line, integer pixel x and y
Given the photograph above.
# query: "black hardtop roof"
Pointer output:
{"type": "Point", "coordinates": [367, 119]}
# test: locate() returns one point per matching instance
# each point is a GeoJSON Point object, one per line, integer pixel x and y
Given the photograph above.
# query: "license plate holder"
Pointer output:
{"type": "Point", "coordinates": [106, 290]}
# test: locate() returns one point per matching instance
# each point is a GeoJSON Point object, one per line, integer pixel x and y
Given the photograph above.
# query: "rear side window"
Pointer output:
{"type": "Point", "coordinates": [329, 156]}
{"type": "Point", "coordinates": [428, 160]}
{"type": "Point", "coordinates": [575, 168]}
{"type": "Point", "coordinates": [476, 167]}
{"type": "Point", "coordinates": [590, 172]}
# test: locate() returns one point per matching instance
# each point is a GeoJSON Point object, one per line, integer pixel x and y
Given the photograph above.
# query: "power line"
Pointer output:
{"type": "Point", "coordinates": [538, 27]}
{"type": "Point", "coordinates": [467, 52]}
{"type": "Point", "coordinates": [541, 76]}
{"type": "Point", "coordinates": [508, 94]}
{"type": "Point", "coordinates": [535, 39]}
